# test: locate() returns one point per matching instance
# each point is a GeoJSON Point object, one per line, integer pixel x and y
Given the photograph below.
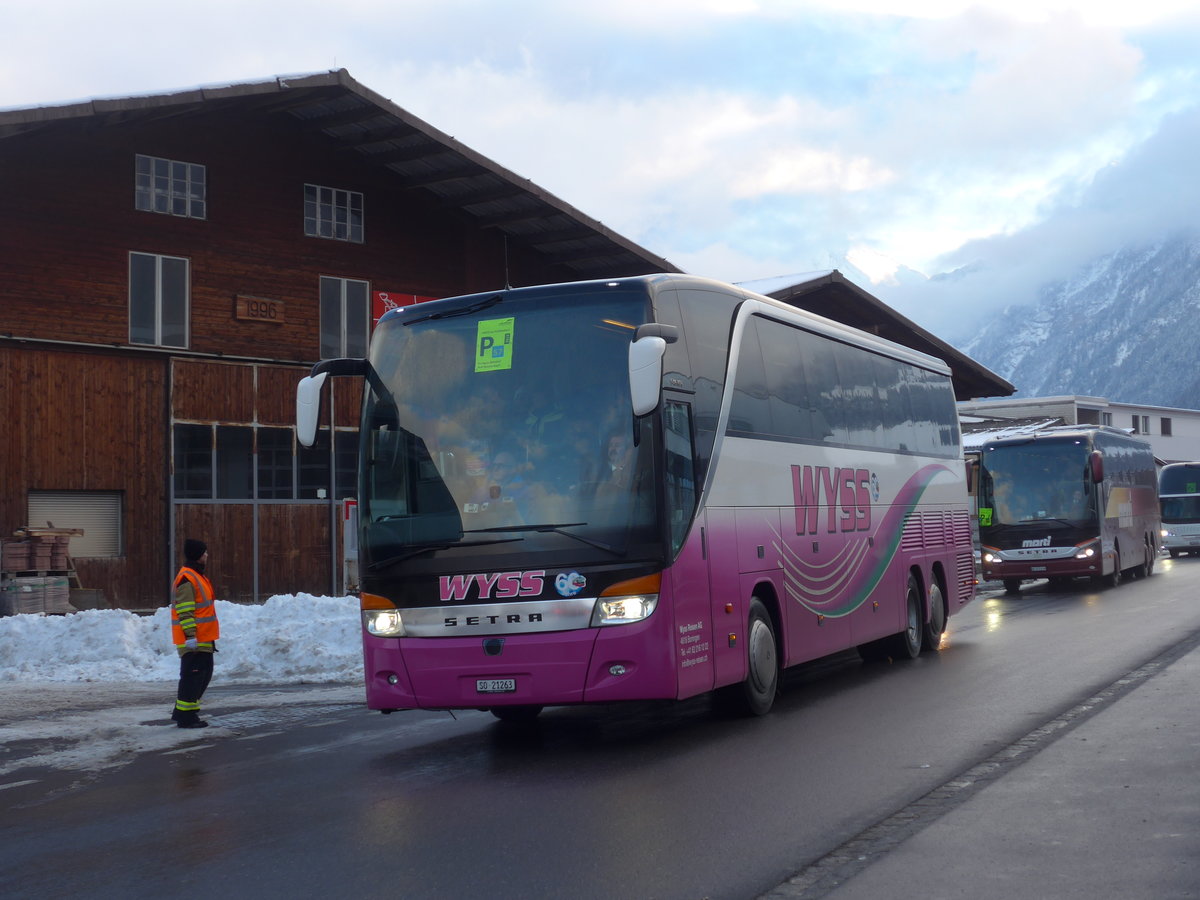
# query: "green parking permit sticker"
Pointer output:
{"type": "Point", "coordinates": [985, 515]}
{"type": "Point", "coordinates": [494, 345]}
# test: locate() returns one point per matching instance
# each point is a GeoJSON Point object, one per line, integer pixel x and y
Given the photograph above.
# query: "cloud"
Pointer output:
{"type": "Point", "coordinates": [1150, 194]}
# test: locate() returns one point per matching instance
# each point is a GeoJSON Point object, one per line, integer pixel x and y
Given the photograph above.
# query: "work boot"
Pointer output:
{"type": "Point", "coordinates": [192, 723]}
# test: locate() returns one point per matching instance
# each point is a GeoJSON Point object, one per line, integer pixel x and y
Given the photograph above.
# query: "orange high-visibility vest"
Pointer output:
{"type": "Point", "coordinates": [207, 628]}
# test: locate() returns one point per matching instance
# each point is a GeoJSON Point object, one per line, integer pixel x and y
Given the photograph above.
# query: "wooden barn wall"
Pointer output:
{"type": "Point", "coordinates": [296, 554]}
{"type": "Point", "coordinates": [227, 529]}
{"type": "Point", "coordinates": [94, 422]}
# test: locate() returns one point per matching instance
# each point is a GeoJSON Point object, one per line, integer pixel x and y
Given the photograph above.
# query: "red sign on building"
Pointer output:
{"type": "Point", "coordinates": [383, 301]}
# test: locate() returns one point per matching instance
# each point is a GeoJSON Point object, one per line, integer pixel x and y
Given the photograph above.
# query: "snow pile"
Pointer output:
{"type": "Point", "coordinates": [290, 639]}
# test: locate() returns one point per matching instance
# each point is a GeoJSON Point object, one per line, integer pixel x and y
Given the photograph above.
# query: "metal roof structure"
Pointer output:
{"type": "Point", "coordinates": [832, 295]}
{"type": "Point", "coordinates": [379, 133]}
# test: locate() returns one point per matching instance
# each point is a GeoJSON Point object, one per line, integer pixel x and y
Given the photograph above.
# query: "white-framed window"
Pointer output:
{"type": "Point", "coordinates": [170, 186]}
{"type": "Point", "coordinates": [159, 288]}
{"type": "Point", "coordinates": [333, 213]}
{"type": "Point", "coordinates": [1105, 418]}
{"type": "Point", "coordinates": [345, 317]}
{"type": "Point", "coordinates": [98, 513]}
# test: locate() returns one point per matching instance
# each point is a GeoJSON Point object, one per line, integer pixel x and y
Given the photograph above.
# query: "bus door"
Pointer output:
{"type": "Point", "coordinates": [692, 631]}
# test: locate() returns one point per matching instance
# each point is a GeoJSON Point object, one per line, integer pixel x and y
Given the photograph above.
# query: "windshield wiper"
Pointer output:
{"type": "Point", "coordinates": [425, 548]}
{"type": "Point", "coordinates": [1049, 519]}
{"type": "Point", "coordinates": [465, 311]}
{"type": "Point", "coordinates": [556, 529]}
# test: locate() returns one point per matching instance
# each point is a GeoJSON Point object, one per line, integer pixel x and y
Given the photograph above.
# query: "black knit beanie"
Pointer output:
{"type": "Point", "coordinates": [194, 549]}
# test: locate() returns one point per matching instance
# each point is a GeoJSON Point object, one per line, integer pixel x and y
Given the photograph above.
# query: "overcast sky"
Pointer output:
{"type": "Point", "coordinates": [740, 139]}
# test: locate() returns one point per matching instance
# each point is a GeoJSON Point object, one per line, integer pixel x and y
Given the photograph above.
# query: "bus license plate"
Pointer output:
{"type": "Point", "coordinates": [496, 685]}
{"type": "Point", "coordinates": [1037, 568]}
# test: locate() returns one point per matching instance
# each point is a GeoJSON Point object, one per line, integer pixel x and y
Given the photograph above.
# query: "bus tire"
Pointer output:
{"type": "Point", "coordinates": [1012, 585]}
{"type": "Point", "coordinates": [1174, 554]}
{"type": "Point", "coordinates": [756, 695]}
{"type": "Point", "coordinates": [516, 715]}
{"type": "Point", "coordinates": [907, 644]}
{"type": "Point", "coordinates": [1113, 579]}
{"type": "Point", "coordinates": [1148, 568]}
{"type": "Point", "coordinates": [932, 631]}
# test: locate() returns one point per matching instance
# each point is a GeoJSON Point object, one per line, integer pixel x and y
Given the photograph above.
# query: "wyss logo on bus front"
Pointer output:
{"type": "Point", "coordinates": [846, 494]}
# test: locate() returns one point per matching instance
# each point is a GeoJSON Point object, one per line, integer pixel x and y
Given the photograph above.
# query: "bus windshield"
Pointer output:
{"type": "Point", "coordinates": [1181, 510]}
{"type": "Point", "coordinates": [1035, 482]}
{"type": "Point", "coordinates": [507, 420]}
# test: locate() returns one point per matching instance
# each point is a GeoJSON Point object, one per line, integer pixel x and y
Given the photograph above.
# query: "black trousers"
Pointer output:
{"type": "Point", "coordinates": [195, 672]}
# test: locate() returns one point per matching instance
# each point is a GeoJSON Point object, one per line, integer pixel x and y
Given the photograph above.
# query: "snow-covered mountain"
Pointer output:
{"type": "Point", "coordinates": [1126, 327]}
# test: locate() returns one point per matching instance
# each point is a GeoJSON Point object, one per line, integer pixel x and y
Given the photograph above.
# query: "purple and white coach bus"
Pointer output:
{"type": "Point", "coordinates": [643, 488]}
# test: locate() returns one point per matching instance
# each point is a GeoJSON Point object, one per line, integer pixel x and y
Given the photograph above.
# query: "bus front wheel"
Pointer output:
{"type": "Point", "coordinates": [1012, 585]}
{"type": "Point", "coordinates": [1114, 579]}
{"type": "Point", "coordinates": [756, 695]}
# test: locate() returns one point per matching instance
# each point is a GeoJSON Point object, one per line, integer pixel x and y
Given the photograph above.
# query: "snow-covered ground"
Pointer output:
{"type": "Point", "coordinates": [87, 690]}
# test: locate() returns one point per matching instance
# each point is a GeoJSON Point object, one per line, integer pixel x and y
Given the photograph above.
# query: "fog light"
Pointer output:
{"type": "Point", "coordinates": [393, 679]}
{"type": "Point", "coordinates": [618, 669]}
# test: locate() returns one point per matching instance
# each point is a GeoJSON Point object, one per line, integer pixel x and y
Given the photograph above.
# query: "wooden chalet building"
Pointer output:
{"type": "Point", "coordinates": [173, 264]}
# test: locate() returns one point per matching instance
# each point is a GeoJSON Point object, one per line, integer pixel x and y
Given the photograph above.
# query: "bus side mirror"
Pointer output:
{"type": "Point", "coordinates": [308, 407]}
{"type": "Point", "coordinates": [1096, 467]}
{"type": "Point", "coordinates": [645, 373]}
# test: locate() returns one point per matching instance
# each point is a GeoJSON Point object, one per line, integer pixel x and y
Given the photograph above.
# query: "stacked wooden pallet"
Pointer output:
{"type": "Point", "coordinates": [36, 571]}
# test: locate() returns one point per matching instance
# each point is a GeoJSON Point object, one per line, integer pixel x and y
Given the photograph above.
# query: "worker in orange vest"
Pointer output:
{"type": "Point", "coordinates": [194, 630]}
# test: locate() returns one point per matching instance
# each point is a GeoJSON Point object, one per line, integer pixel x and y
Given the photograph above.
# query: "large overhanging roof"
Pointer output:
{"type": "Point", "coordinates": [418, 156]}
{"type": "Point", "coordinates": [831, 295]}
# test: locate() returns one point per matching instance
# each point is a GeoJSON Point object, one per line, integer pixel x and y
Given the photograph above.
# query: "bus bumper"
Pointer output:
{"type": "Point", "coordinates": [1042, 568]}
{"type": "Point", "coordinates": [594, 665]}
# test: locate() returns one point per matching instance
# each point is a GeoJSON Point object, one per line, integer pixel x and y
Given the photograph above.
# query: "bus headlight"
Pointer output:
{"type": "Point", "coordinates": [623, 610]}
{"type": "Point", "coordinates": [383, 622]}
{"type": "Point", "coordinates": [1167, 532]}
{"type": "Point", "coordinates": [627, 601]}
{"type": "Point", "coordinates": [1086, 551]}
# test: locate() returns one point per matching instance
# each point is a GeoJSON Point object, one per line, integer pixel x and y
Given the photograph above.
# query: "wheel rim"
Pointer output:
{"type": "Point", "coordinates": [914, 620]}
{"type": "Point", "coordinates": [937, 611]}
{"type": "Point", "coordinates": [762, 657]}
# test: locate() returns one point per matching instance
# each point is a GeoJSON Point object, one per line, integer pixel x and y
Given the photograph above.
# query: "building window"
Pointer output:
{"type": "Point", "coordinates": [333, 213]}
{"type": "Point", "coordinates": [1145, 425]}
{"type": "Point", "coordinates": [1165, 430]}
{"type": "Point", "coordinates": [1137, 424]}
{"type": "Point", "coordinates": [220, 462]}
{"type": "Point", "coordinates": [169, 186]}
{"type": "Point", "coordinates": [1106, 418]}
{"type": "Point", "coordinates": [158, 300]}
{"type": "Point", "coordinates": [345, 317]}
{"type": "Point", "coordinates": [97, 513]}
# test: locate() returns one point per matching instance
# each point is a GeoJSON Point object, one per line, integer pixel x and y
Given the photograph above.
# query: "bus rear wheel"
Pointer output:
{"type": "Point", "coordinates": [907, 644]}
{"type": "Point", "coordinates": [931, 633]}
